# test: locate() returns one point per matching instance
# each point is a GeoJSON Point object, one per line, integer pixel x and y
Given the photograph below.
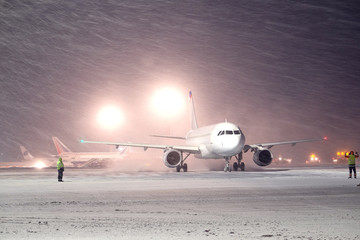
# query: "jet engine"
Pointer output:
{"type": "Point", "coordinates": [262, 157]}
{"type": "Point", "coordinates": [172, 158]}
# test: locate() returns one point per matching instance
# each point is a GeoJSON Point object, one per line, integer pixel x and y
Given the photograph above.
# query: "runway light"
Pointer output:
{"type": "Point", "coordinates": [168, 102]}
{"type": "Point", "coordinates": [110, 117]}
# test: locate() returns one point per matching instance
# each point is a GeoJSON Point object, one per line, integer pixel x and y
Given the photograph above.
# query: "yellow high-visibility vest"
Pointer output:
{"type": "Point", "coordinates": [60, 164]}
{"type": "Point", "coordinates": [351, 160]}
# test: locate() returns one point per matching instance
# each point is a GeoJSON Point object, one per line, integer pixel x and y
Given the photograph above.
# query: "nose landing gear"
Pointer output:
{"type": "Point", "coordinates": [238, 164]}
{"type": "Point", "coordinates": [227, 167]}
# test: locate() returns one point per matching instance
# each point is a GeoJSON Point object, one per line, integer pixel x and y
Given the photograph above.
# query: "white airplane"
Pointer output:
{"type": "Point", "coordinates": [84, 159]}
{"type": "Point", "coordinates": [219, 141]}
{"type": "Point", "coordinates": [39, 162]}
{"type": "Point", "coordinates": [28, 161]}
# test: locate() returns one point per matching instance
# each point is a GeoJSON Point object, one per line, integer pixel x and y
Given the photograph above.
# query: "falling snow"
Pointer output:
{"type": "Point", "coordinates": [281, 70]}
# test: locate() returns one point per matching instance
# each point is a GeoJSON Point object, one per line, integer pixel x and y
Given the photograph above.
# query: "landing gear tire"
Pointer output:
{"type": "Point", "coordinates": [242, 166]}
{"type": "Point", "coordinates": [235, 166]}
{"type": "Point", "coordinates": [185, 167]}
{"type": "Point", "coordinates": [178, 167]}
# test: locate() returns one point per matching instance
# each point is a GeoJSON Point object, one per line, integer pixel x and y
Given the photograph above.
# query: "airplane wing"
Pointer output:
{"type": "Point", "coordinates": [270, 145]}
{"type": "Point", "coordinates": [189, 149]}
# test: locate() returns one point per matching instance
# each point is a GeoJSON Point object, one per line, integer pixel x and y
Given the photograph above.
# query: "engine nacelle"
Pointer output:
{"type": "Point", "coordinates": [263, 157]}
{"type": "Point", "coordinates": [172, 158]}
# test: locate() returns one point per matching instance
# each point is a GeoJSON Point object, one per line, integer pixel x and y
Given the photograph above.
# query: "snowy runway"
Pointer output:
{"type": "Point", "coordinates": [94, 204]}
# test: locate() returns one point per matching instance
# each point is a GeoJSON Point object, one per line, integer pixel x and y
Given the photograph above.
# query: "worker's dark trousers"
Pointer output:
{"type": "Point", "coordinates": [352, 168]}
{"type": "Point", "coordinates": [60, 174]}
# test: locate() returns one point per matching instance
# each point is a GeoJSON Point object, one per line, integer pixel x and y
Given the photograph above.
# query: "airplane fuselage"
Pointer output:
{"type": "Point", "coordinates": [217, 141]}
{"type": "Point", "coordinates": [86, 156]}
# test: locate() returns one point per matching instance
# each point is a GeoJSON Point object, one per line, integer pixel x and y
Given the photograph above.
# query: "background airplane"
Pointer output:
{"type": "Point", "coordinates": [27, 161]}
{"type": "Point", "coordinates": [219, 141]}
{"type": "Point", "coordinates": [85, 159]}
{"type": "Point", "coordinates": [40, 162]}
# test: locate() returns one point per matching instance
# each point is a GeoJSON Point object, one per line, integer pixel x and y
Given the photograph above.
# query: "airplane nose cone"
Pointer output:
{"type": "Point", "coordinates": [232, 145]}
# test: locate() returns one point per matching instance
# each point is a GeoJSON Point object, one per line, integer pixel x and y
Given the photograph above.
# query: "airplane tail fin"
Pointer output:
{"type": "Point", "coordinates": [25, 153]}
{"type": "Point", "coordinates": [194, 124]}
{"type": "Point", "coordinates": [60, 147]}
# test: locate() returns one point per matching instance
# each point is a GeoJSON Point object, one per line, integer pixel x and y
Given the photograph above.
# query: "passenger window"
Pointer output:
{"type": "Point", "coordinates": [228, 132]}
{"type": "Point", "coordinates": [237, 132]}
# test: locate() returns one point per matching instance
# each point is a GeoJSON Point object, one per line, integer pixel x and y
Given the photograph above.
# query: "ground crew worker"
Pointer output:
{"type": "Point", "coordinates": [60, 168]}
{"type": "Point", "coordinates": [351, 162]}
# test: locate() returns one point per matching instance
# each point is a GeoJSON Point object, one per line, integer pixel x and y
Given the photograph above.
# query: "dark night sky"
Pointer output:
{"type": "Point", "coordinates": [281, 70]}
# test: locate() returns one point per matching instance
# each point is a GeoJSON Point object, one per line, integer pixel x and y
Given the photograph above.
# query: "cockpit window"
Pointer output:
{"type": "Point", "coordinates": [229, 132]}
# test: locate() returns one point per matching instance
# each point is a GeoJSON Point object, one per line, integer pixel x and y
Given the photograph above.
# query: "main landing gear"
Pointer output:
{"type": "Point", "coordinates": [236, 166]}
{"type": "Point", "coordinates": [239, 164]}
{"type": "Point", "coordinates": [183, 165]}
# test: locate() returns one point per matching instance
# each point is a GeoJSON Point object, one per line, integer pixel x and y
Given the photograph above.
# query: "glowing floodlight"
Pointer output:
{"type": "Point", "coordinates": [39, 165]}
{"type": "Point", "coordinates": [168, 102]}
{"type": "Point", "coordinates": [110, 117]}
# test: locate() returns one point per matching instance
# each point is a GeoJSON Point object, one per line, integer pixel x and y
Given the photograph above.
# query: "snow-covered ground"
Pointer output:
{"type": "Point", "coordinates": [104, 204]}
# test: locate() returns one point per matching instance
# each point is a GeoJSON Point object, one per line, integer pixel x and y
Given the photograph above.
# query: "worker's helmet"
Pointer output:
{"type": "Point", "coordinates": [352, 152]}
